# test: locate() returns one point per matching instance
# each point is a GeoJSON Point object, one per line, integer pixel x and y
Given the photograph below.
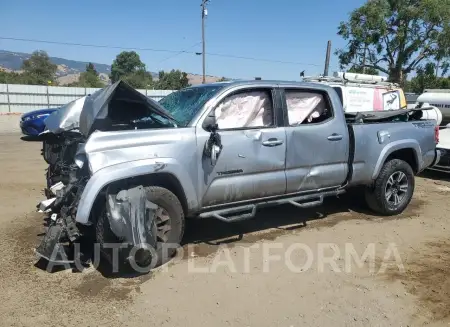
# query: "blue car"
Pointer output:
{"type": "Point", "coordinates": [32, 123]}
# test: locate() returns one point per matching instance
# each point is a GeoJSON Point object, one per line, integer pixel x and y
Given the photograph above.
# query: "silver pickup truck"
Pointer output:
{"type": "Point", "coordinates": [129, 170]}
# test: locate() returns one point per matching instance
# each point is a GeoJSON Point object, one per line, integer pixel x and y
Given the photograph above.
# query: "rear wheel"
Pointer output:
{"type": "Point", "coordinates": [169, 221]}
{"type": "Point", "coordinates": [393, 189]}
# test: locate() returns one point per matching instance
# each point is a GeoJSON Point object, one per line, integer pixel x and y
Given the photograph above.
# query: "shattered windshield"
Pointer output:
{"type": "Point", "coordinates": [184, 104]}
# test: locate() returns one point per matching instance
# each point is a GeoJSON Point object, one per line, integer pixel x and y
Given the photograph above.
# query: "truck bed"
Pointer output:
{"type": "Point", "coordinates": [375, 133]}
{"type": "Point", "coordinates": [413, 114]}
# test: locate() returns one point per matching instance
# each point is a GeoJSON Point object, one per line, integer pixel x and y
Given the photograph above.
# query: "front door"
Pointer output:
{"type": "Point", "coordinates": [251, 164]}
{"type": "Point", "coordinates": [317, 142]}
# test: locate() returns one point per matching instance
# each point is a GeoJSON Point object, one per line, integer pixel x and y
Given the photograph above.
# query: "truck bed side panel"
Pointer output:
{"type": "Point", "coordinates": [375, 142]}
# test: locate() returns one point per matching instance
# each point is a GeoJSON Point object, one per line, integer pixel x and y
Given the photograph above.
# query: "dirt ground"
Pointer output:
{"type": "Point", "coordinates": [254, 287]}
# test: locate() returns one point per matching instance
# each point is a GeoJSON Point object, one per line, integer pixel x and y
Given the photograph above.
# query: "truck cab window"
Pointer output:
{"type": "Point", "coordinates": [306, 107]}
{"type": "Point", "coordinates": [252, 109]}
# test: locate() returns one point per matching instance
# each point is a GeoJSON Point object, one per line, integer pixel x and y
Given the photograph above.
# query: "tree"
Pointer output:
{"type": "Point", "coordinates": [90, 77]}
{"type": "Point", "coordinates": [38, 69]}
{"type": "Point", "coordinates": [139, 80]}
{"type": "Point", "coordinates": [396, 36]}
{"type": "Point", "coordinates": [10, 77]}
{"type": "Point", "coordinates": [129, 67]}
{"type": "Point", "coordinates": [223, 79]}
{"type": "Point", "coordinates": [361, 70]}
{"type": "Point", "coordinates": [426, 79]}
{"type": "Point", "coordinates": [173, 80]}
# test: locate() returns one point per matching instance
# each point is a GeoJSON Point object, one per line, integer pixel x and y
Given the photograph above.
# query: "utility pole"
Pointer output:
{"type": "Point", "coordinates": [364, 59]}
{"type": "Point", "coordinates": [204, 14]}
{"type": "Point", "coordinates": [327, 59]}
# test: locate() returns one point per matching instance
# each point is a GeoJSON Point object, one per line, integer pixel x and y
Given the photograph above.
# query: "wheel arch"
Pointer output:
{"type": "Point", "coordinates": [408, 155]}
{"type": "Point", "coordinates": [163, 179]}
{"type": "Point", "coordinates": [407, 150]}
{"type": "Point", "coordinates": [151, 174]}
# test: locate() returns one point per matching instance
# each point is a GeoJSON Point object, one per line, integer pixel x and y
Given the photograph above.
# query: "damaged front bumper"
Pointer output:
{"type": "Point", "coordinates": [131, 218]}
{"type": "Point", "coordinates": [62, 207]}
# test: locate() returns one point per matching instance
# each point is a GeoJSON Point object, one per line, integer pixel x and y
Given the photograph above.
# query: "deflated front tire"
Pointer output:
{"type": "Point", "coordinates": [166, 222]}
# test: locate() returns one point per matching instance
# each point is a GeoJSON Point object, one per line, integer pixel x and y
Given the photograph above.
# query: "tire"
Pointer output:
{"type": "Point", "coordinates": [376, 196]}
{"type": "Point", "coordinates": [166, 200]}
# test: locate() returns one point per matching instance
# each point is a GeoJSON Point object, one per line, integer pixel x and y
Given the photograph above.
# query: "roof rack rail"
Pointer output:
{"type": "Point", "coordinates": [341, 79]}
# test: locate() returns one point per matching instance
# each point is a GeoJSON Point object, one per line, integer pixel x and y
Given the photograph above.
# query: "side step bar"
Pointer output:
{"type": "Point", "coordinates": [234, 214]}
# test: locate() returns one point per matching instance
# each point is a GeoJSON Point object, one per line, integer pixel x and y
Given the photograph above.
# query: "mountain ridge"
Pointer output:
{"type": "Point", "coordinates": [68, 70]}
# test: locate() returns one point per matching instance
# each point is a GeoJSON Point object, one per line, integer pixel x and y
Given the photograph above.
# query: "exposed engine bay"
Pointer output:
{"type": "Point", "coordinates": [116, 107]}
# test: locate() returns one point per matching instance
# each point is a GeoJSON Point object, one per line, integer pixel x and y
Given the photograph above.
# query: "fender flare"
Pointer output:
{"type": "Point", "coordinates": [121, 171]}
{"type": "Point", "coordinates": [395, 146]}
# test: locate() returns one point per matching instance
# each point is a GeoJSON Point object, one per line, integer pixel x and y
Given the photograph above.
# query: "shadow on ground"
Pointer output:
{"type": "Point", "coordinates": [277, 220]}
{"type": "Point", "coordinates": [29, 138]}
{"type": "Point", "coordinates": [204, 236]}
{"type": "Point", "coordinates": [435, 175]}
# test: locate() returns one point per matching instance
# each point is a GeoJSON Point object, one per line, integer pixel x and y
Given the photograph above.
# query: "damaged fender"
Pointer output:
{"type": "Point", "coordinates": [131, 216]}
{"type": "Point", "coordinates": [110, 174]}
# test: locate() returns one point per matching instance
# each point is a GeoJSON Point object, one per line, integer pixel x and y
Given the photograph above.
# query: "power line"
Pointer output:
{"type": "Point", "coordinates": [261, 59]}
{"type": "Point", "coordinates": [87, 45]}
{"type": "Point", "coordinates": [158, 50]}
{"type": "Point", "coordinates": [178, 53]}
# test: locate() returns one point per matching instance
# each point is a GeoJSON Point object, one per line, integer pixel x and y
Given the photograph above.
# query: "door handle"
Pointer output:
{"type": "Point", "coordinates": [272, 142]}
{"type": "Point", "coordinates": [334, 137]}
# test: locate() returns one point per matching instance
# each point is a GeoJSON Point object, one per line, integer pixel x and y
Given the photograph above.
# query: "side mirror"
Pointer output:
{"type": "Point", "coordinates": [210, 123]}
{"type": "Point", "coordinates": [213, 145]}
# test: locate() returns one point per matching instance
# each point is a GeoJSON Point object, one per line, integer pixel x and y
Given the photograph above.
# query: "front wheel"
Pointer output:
{"type": "Point", "coordinates": [169, 221]}
{"type": "Point", "coordinates": [393, 189]}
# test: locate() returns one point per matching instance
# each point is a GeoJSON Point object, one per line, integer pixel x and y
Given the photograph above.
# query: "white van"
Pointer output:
{"type": "Point", "coordinates": [363, 92]}
{"type": "Point", "coordinates": [439, 99]}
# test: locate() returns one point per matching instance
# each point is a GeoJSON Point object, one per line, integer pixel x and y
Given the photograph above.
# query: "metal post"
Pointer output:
{"type": "Point", "coordinates": [48, 98]}
{"type": "Point", "coordinates": [327, 59]}
{"type": "Point", "coordinates": [203, 5]}
{"type": "Point", "coordinates": [7, 96]}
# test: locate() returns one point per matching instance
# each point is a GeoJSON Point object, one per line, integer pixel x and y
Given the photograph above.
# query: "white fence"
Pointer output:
{"type": "Point", "coordinates": [17, 98]}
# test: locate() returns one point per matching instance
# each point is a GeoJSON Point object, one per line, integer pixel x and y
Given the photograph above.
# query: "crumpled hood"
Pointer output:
{"type": "Point", "coordinates": [93, 112]}
{"type": "Point", "coordinates": [66, 118]}
{"type": "Point", "coordinates": [110, 148]}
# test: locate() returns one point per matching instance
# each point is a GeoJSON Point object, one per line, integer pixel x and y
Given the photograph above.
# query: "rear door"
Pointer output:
{"type": "Point", "coordinates": [317, 141]}
{"type": "Point", "coordinates": [252, 160]}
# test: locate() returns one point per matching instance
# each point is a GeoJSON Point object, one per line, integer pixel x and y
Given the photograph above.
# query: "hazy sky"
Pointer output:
{"type": "Point", "coordinates": [285, 30]}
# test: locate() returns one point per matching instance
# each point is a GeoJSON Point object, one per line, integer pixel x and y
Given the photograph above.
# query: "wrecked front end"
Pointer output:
{"type": "Point", "coordinates": [115, 108]}
{"type": "Point", "coordinates": [103, 203]}
{"type": "Point", "coordinates": [63, 232]}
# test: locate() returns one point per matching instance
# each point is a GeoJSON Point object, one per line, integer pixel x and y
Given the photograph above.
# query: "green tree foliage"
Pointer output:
{"type": "Point", "coordinates": [38, 69]}
{"type": "Point", "coordinates": [223, 79]}
{"type": "Point", "coordinates": [397, 36]}
{"type": "Point", "coordinates": [173, 80]}
{"type": "Point", "coordinates": [90, 77]}
{"type": "Point", "coordinates": [361, 70]}
{"type": "Point", "coordinates": [129, 67]}
{"type": "Point", "coordinates": [426, 79]}
{"type": "Point", "coordinates": [139, 80]}
{"type": "Point", "coordinates": [10, 77]}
